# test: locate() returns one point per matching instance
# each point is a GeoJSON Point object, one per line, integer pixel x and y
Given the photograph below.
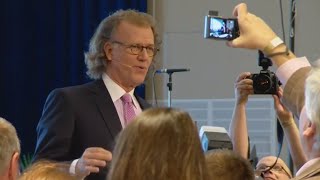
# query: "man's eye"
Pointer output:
{"type": "Point", "coordinates": [136, 46]}
{"type": "Point", "coordinates": [150, 48]}
{"type": "Point", "coordinates": [277, 168]}
{"type": "Point", "coordinates": [262, 168]}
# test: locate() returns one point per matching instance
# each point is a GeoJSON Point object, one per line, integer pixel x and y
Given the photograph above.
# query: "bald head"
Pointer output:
{"type": "Point", "coordinates": [269, 161]}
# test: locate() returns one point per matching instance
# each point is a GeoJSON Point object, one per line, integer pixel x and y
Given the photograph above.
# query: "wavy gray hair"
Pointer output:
{"type": "Point", "coordinates": [95, 58]}
{"type": "Point", "coordinates": [312, 94]}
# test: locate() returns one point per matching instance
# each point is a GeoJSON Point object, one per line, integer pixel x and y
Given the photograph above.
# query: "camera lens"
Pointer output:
{"type": "Point", "coordinates": [262, 83]}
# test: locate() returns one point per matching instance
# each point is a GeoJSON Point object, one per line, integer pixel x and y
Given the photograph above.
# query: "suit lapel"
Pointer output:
{"type": "Point", "coordinates": [143, 104]}
{"type": "Point", "coordinates": [107, 108]}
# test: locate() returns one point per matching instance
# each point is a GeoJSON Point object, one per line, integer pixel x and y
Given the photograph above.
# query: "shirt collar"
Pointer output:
{"type": "Point", "coordinates": [114, 89]}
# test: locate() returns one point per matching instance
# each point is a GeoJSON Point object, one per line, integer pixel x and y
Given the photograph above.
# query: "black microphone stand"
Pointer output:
{"type": "Point", "coordinates": [291, 47]}
{"type": "Point", "coordinates": [169, 85]}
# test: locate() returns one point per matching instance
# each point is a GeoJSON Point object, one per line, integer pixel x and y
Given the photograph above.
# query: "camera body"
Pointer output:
{"type": "Point", "coordinates": [219, 28]}
{"type": "Point", "coordinates": [266, 82]}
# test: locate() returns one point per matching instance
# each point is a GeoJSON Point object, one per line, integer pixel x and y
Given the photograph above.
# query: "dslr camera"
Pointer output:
{"type": "Point", "coordinates": [266, 82]}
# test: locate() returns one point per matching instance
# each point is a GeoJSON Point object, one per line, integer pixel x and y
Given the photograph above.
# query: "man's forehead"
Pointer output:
{"type": "Point", "coordinates": [270, 160]}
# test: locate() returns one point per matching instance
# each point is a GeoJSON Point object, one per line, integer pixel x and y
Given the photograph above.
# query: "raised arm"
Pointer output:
{"type": "Point", "coordinates": [238, 130]}
{"type": "Point", "coordinates": [291, 131]}
{"type": "Point", "coordinates": [256, 34]}
{"type": "Point", "coordinates": [292, 71]}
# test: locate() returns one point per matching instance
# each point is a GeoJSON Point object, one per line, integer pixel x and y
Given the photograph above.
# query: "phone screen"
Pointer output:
{"type": "Point", "coordinates": [221, 28]}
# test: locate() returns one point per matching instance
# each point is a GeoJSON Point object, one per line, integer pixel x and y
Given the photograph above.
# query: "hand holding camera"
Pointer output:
{"type": "Point", "coordinates": [215, 27]}
{"type": "Point", "coordinates": [243, 88]}
{"type": "Point", "coordinates": [266, 82]}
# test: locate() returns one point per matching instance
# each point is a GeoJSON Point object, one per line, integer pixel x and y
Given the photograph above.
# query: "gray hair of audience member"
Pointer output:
{"type": "Point", "coordinates": [9, 143]}
{"type": "Point", "coordinates": [224, 164]}
{"type": "Point", "coordinates": [95, 58]}
{"type": "Point", "coordinates": [48, 170]}
{"type": "Point", "coordinates": [161, 143]}
{"type": "Point", "coordinates": [312, 95]}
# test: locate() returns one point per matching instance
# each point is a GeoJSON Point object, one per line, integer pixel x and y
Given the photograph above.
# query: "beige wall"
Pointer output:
{"type": "Point", "coordinates": [213, 65]}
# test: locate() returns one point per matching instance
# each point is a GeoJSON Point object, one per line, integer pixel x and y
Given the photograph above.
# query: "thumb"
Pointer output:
{"type": "Point", "coordinates": [235, 43]}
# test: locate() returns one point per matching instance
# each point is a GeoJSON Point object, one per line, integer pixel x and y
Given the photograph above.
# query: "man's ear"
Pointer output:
{"type": "Point", "coordinates": [14, 169]}
{"type": "Point", "coordinates": [107, 48]}
{"type": "Point", "coordinates": [310, 131]}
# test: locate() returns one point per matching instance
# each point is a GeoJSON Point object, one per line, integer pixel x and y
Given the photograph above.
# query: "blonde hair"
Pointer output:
{"type": "Point", "coordinates": [95, 58]}
{"type": "Point", "coordinates": [9, 143]}
{"type": "Point", "coordinates": [312, 95]}
{"type": "Point", "coordinates": [47, 170]}
{"type": "Point", "coordinates": [161, 143]}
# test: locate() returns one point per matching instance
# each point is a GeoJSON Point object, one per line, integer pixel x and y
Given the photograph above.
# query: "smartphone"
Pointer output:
{"type": "Point", "coordinates": [221, 28]}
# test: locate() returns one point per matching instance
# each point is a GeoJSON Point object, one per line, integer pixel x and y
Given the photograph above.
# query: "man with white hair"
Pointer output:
{"type": "Point", "coordinates": [310, 126]}
{"type": "Point", "coordinates": [9, 151]}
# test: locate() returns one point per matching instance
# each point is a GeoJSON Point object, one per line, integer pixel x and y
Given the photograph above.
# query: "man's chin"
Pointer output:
{"type": "Point", "coordinates": [268, 178]}
{"type": "Point", "coordinates": [138, 81]}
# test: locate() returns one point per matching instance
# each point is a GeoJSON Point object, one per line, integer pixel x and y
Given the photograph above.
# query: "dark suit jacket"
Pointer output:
{"type": "Point", "coordinates": [75, 118]}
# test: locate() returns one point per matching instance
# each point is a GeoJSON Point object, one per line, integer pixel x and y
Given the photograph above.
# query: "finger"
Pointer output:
{"type": "Point", "coordinates": [236, 42]}
{"type": "Point", "coordinates": [280, 89]}
{"type": "Point", "coordinates": [277, 103]}
{"type": "Point", "coordinates": [242, 76]}
{"type": "Point", "coordinates": [240, 10]}
{"type": "Point", "coordinates": [244, 94]}
{"type": "Point", "coordinates": [99, 156]}
{"type": "Point", "coordinates": [95, 162]}
{"type": "Point", "coordinates": [246, 82]}
{"type": "Point", "coordinates": [92, 169]}
{"type": "Point", "coordinates": [244, 87]}
{"type": "Point", "coordinates": [275, 98]}
{"type": "Point", "coordinates": [98, 153]}
{"type": "Point", "coordinates": [280, 92]}
{"type": "Point", "coordinates": [96, 149]}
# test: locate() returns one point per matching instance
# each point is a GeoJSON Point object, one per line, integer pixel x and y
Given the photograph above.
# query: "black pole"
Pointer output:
{"type": "Point", "coordinates": [291, 47]}
{"type": "Point", "coordinates": [169, 85]}
{"type": "Point", "coordinates": [292, 25]}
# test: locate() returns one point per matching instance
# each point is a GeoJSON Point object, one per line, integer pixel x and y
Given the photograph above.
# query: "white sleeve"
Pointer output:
{"type": "Point", "coordinates": [72, 169]}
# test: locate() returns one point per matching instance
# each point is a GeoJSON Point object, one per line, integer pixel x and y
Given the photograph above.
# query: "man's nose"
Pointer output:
{"type": "Point", "coordinates": [267, 174]}
{"type": "Point", "coordinates": [143, 55]}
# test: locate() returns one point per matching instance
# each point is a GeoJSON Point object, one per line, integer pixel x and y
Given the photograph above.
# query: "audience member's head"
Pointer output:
{"type": "Point", "coordinates": [47, 170]}
{"type": "Point", "coordinates": [310, 126]}
{"type": "Point", "coordinates": [227, 165]}
{"type": "Point", "coordinates": [9, 151]}
{"type": "Point", "coordinates": [279, 172]}
{"type": "Point", "coordinates": [161, 143]}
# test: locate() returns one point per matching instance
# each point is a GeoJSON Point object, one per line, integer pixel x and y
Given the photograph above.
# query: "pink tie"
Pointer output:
{"type": "Point", "coordinates": [128, 110]}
